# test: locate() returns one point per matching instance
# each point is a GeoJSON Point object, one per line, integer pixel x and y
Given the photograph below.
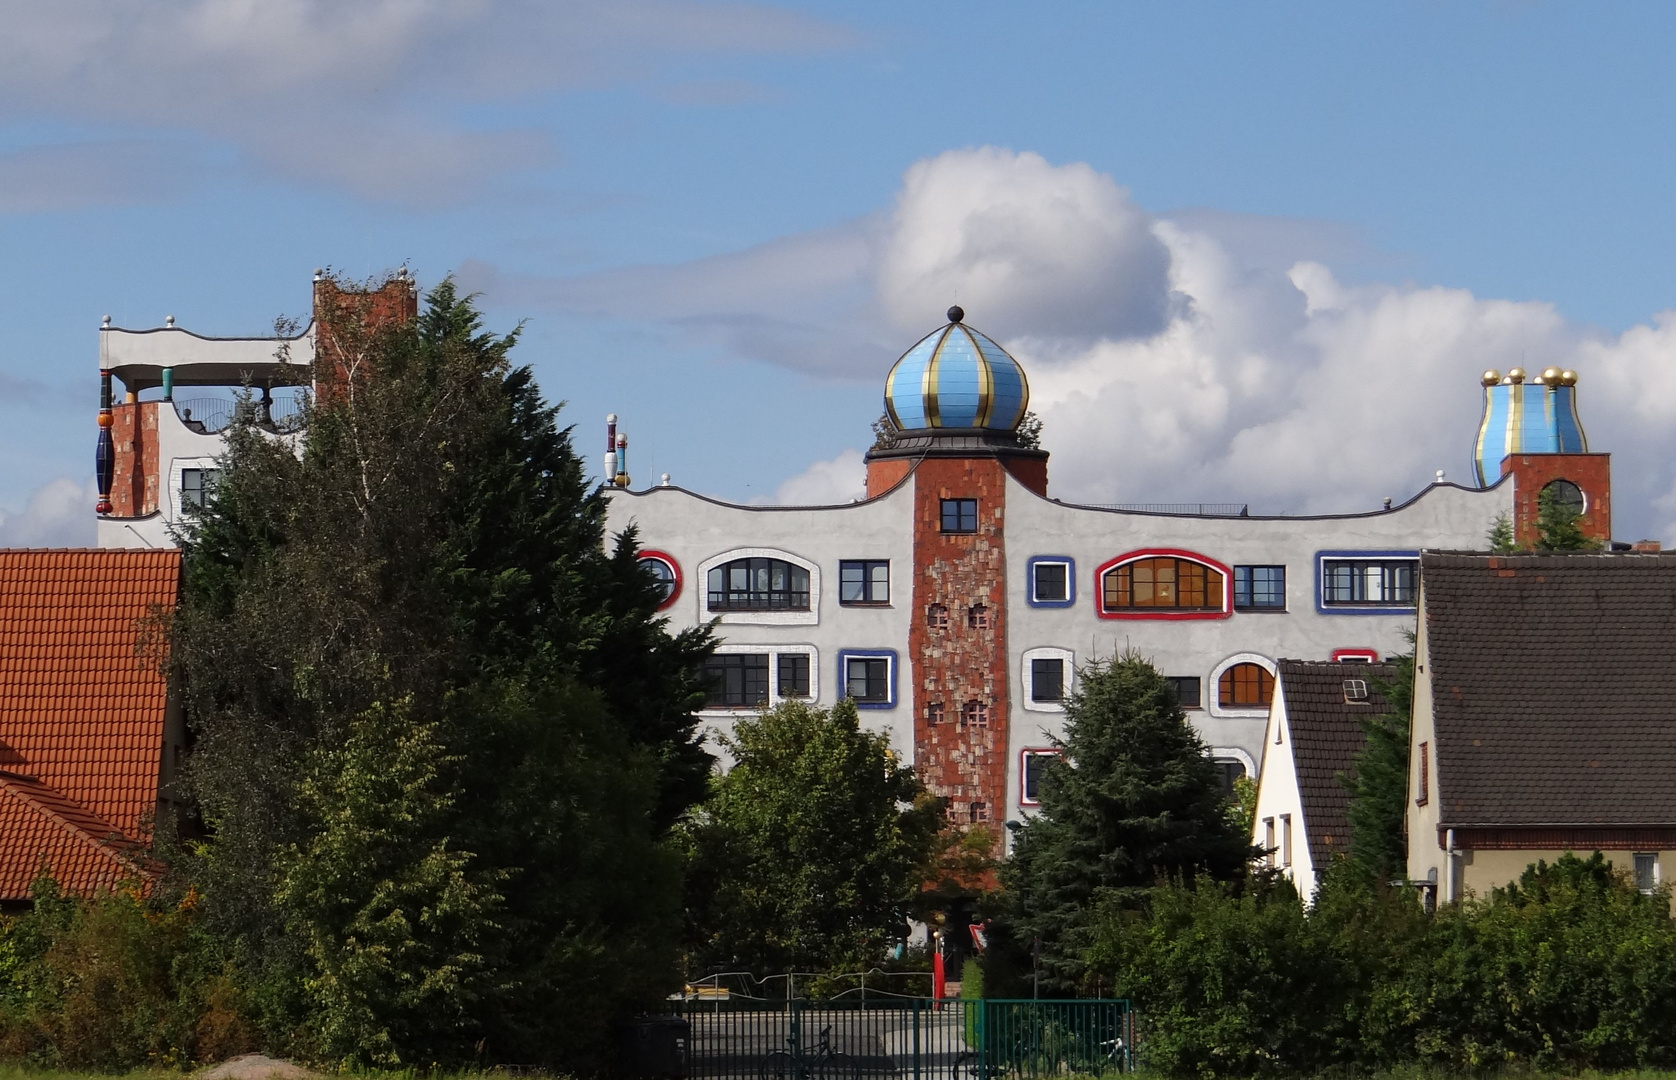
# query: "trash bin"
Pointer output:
{"type": "Point", "coordinates": [655, 1048]}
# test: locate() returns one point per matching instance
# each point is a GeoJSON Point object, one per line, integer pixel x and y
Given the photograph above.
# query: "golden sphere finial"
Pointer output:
{"type": "Point", "coordinates": [1516, 375]}
{"type": "Point", "coordinates": [1490, 377]}
{"type": "Point", "coordinates": [1551, 376]}
{"type": "Point", "coordinates": [1568, 378]}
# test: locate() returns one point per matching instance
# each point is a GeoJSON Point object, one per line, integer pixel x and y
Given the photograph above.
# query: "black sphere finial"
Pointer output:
{"type": "Point", "coordinates": [956, 314]}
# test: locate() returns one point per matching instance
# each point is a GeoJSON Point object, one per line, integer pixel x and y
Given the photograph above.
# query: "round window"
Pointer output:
{"type": "Point", "coordinates": [1566, 495]}
{"type": "Point", "coordinates": [668, 574]}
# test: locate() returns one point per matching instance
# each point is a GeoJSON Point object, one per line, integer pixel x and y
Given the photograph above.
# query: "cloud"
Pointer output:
{"type": "Point", "coordinates": [58, 514]}
{"type": "Point", "coordinates": [825, 483]}
{"type": "Point", "coordinates": [66, 177]}
{"type": "Point", "coordinates": [1197, 357]}
{"type": "Point", "coordinates": [327, 92]}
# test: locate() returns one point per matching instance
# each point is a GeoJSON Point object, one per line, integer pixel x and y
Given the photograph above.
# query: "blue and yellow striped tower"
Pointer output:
{"type": "Point", "coordinates": [1538, 417]}
{"type": "Point", "coordinates": [956, 377]}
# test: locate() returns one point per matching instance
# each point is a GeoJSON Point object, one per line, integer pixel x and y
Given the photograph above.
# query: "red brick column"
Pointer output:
{"type": "Point", "coordinates": [965, 763]}
{"type": "Point", "coordinates": [1532, 472]}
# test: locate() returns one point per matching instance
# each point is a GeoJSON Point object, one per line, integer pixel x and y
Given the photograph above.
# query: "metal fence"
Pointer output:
{"type": "Point", "coordinates": [905, 1039]}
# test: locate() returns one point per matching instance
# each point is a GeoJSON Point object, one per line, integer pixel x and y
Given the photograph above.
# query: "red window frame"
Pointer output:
{"type": "Point", "coordinates": [1341, 655]}
{"type": "Point", "coordinates": [675, 567]}
{"type": "Point", "coordinates": [1100, 609]}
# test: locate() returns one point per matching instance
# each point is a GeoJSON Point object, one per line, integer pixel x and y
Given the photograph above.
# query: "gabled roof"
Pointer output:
{"type": "Point", "coordinates": [81, 711]}
{"type": "Point", "coordinates": [1326, 734]}
{"type": "Point", "coordinates": [1553, 687]}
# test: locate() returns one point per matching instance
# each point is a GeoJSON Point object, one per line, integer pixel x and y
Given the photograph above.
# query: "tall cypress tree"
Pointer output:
{"type": "Point", "coordinates": [411, 625]}
{"type": "Point", "coordinates": [1133, 800]}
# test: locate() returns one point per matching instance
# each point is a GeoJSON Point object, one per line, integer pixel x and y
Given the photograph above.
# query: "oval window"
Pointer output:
{"type": "Point", "coordinates": [667, 574]}
{"type": "Point", "coordinates": [1566, 495]}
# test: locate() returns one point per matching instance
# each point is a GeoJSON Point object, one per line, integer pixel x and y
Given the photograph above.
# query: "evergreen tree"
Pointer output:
{"type": "Point", "coordinates": [1499, 539]}
{"type": "Point", "coordinates": [410, 627]}
{"type": "Point", "coordinates": [811, 853]}
{"type": "Point", "coordinates": [1556, 525]}
{"type": "Point", "coordinates": [1133, 801]}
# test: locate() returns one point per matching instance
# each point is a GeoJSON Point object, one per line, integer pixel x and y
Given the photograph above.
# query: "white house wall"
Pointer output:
{"type": "Point", "coordinates": [1278, 797]}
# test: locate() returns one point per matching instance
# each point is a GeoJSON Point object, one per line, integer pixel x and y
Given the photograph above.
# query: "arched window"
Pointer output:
{"type": "Point", "coordinates": [1245, 686]}
{"type": "Point", "coordinates": [759, 585]}
{"type": "Point", "coordinates": [1566, 495]}
{"type": "Point", "coordinates": [1164, 584]}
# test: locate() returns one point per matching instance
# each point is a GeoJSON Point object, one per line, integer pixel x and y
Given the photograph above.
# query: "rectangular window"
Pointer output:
{"type": "Point", "coordinates": [1646, 871]}
{"type": "Point", "coordinates": [1034, 765]}
{"type": "Point", "coordinates": [1047, 679]}
{"type": "Point", "coordinates": [1187, 688]}
{"type": "Point", "coordinates": [196, 486]}
{"type": "Point", "coordinates": [867, 678]}
{"type": "Point", "coordinates": [934, 712]}
{"type": "Point", "coordinates": [1050, 582]}
{"type": "Point", "coordinates": [1228, 771]}
{"type": "Point", "coordinates": [1286, 840]}
{"type": "Point", "coordinates": [979, 812]}
{"type": "Point", "coordinates": [974, 714]}
{"type": "Point", "coordinates": [864, 581]}
{"type": "Point", "coordinates": [794, 674]}
{"type": "Point", "coordinates": [1368, 582]}
{"type": "Point", "coordinates": [1268, 840]}
{"type": "Point", "coordinates": [1423, 792]}
{"type": "Point", "coordinates": [960, 515]}
{"type": "Point", "coordinates": [1259, 588]}
{"type": "Point", "coordinates": [736, 680]}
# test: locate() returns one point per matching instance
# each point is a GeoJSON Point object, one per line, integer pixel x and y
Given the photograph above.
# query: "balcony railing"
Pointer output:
{"type": "Point", "coordinates": [213, 415]}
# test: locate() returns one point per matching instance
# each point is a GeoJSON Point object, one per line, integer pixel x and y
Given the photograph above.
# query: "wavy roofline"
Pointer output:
{"type": "Point", "coordinates": [204, 337]}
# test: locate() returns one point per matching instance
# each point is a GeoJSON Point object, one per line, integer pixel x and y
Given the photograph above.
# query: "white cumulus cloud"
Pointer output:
{"type": "Point", "coordinates": [58, 514]}
{"type": "Point", "coordinates": [825, 483]}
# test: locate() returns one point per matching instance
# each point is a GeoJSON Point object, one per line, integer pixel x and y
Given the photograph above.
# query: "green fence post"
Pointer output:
{"type": "Point", "coordinates": [916, 1039]}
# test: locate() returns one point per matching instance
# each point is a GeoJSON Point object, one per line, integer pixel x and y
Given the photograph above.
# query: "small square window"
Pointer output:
{"type": "Point", "coordinates": [867, 679]}
{"type": "Point", "coordinates": [864, 581]}
{"type": "Point", "coordinates": [1646, 871]}
{"type": "Point", "coordinates": [1050, 583]}
{"type": "Point", "coordinates": [1228, 771]}
{"type": "Point", "coordinates": [736, 680]}
{"type": "Point", "coordinates": [979, 812]}
{"type": "Point", "coordinates": [977, 617]}
{"type": "Point", "coordinates": [794, 674]}
{"type": "Point", "coordinates": [960, 515]}
{"type": "Point", "coordinates": [974, 714]}
{"type": "Point", "coordinates": [1047, 679]}
{"type": "Point", "coordinates": [1259, 588]}
{"type": "Point", "coordinates": [1187, 688]}
{"type": "Point", "coordinates": [197, 485]}
{"type": "Point", "coordinates": [937, 617]}
{"type": "Point", "coordinates": [934, 713]}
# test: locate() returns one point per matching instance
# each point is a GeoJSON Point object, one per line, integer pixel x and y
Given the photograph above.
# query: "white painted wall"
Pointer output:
{"type": "Point", "coordinates": [1278, 797]}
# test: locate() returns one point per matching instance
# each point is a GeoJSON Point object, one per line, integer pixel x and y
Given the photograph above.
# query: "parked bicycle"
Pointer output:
{"type": "Point", "coordinates": [819, 1062]}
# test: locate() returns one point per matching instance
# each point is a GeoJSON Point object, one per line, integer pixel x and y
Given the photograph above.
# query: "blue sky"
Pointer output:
{"type": "Point", "coordinates": [1249, 253]}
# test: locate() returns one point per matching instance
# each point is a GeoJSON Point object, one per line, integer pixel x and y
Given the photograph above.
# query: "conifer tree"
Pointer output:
{"type": "Point", "coordinates": [411, 626]}
{"type": "Point", "coordinates": [1556, 525]}
{"type": "Point", "coordinates": [1133, 801]}
{"type": "Point", "coordinates": [1378, 781]}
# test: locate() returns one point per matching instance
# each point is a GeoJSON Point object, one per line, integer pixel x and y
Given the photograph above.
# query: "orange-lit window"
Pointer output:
{"type": "Point", "coordinates": [1245, 685]}
{"type": "Point", "coordinates": [1164, 582]}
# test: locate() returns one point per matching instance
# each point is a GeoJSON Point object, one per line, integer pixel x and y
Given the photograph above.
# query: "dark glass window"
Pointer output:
{"type": "Point", "coordinates": [974, 714]}
{"type": "Point", "coordinates": [1259, 588]}
{"type": "Point", "coordinates": [934, 713]}
{"type": "Point", "coordinates": [794, 674]}
{"type": "Point", "coordinates": [736, 679]}
{"type": "Point", "coordinates": [1187, 689]}
{"type": "Point", "coordinates": [1034, 766]}
{"type": "Point", "coordinates": [1047, 679]}
{"type": "Point", "coordinates": [1646, 871]}
{"type": "Point", "coordinates": [1368, 581]}
{"type": "Point", "coordinates": [977, 617]}
{"type": "Point", "coordinates": [1164, 583]}
{"type": "Point", "coordinates": [937, 617]}
{"type": "Point", "coordinates": [979, 812]}
{"type": "Point", "coordinates": [197, 485]}
{"type": "Point", "coordinates": [864, 581]}
{"type": "Point", "coordinates": [1245, 685]}
{"type": "Point", "coordinates": [867, 678]}
{"type": "Point", "coordinates": [759, 585]}
{"type": "Point", "coordinates": [1051, 582]}
{"type": "Point", "coordinates": [664, 573]}
{"type": "Point", "coordinates": [960, 515]}
{"type": "Point", "coordinates": [1566, 495]}
{"type": "Point", "coordinates": [1228, 770]}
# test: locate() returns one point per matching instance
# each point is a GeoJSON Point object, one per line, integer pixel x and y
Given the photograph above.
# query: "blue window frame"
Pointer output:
{"type": "Point", "coordinates": [1366, 582]}
{"type": "Point", "coordinates": [868, 676]}
{"type": "Point", "coordinates": [1051, 581]}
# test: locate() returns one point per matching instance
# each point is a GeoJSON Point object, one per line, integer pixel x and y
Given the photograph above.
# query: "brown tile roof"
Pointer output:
{"type": "Point", "coordinates": [81, 714]}
{"type": "Point", "coordinates": [1326, 736]}
{"type": "Point", "coordinates": [1554, 687]}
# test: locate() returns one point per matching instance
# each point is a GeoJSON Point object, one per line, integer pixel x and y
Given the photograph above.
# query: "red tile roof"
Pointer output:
{"type": "Point", "coordinates": [81, 712]}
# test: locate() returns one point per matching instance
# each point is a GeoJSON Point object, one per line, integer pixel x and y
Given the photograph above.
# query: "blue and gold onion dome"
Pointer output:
{"type": "Point", "coordinates": [956, 377]}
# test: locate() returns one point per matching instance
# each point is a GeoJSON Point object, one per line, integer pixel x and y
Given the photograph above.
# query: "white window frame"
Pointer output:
{"type": "Point", "coordinates": [1211, 694]}
{"type": "Point", "coordinates": [701, 590]}
{"type": "Point", "coordinates": [178, 466]}
{"type": "Point", "coordinates": [774, 697]}
{"type": "Point", "coordinates": [1030, 752]}
{"type": "Point", "coordinates": [1658, 876]}
{"type": "Point", "coordinates": [1026, 679]}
